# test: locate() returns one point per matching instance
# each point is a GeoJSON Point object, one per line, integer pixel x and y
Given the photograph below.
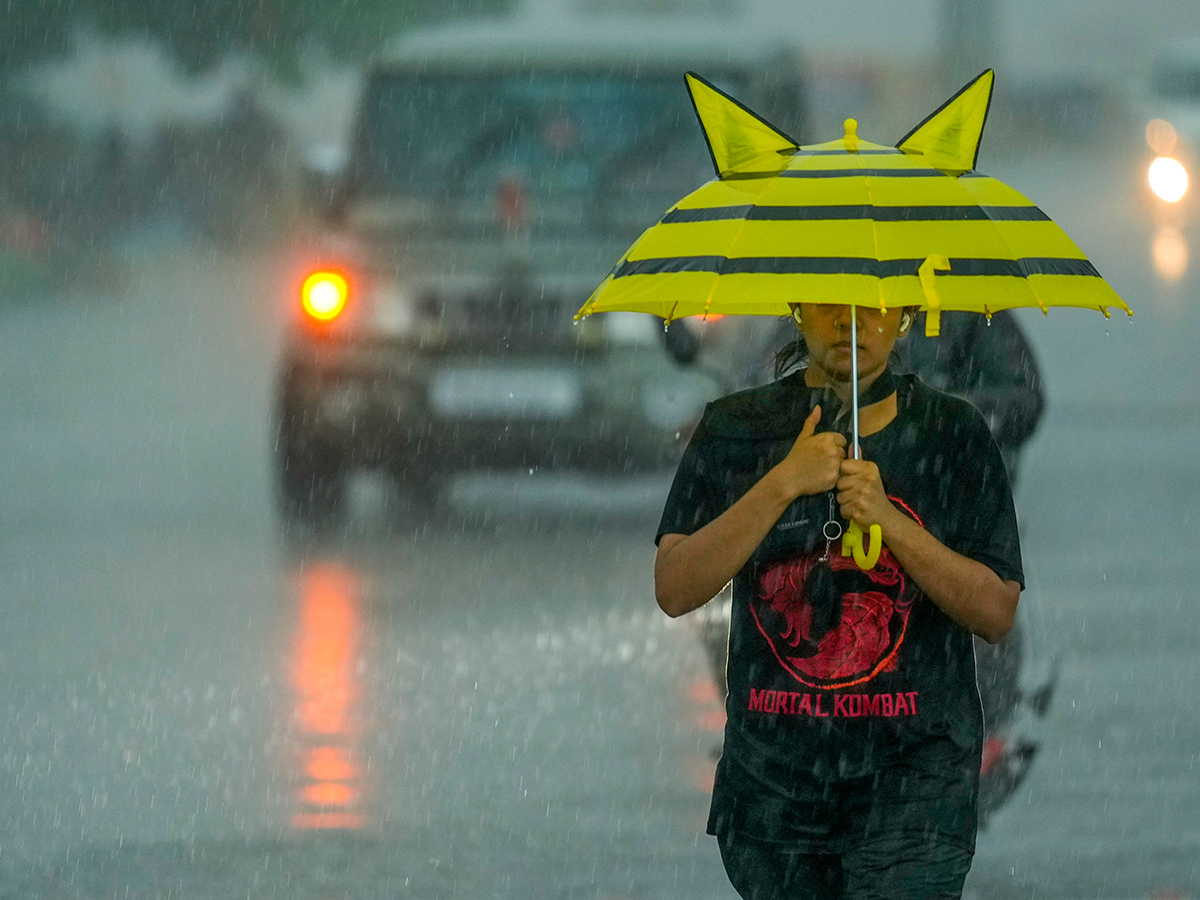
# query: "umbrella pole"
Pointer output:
{"type": "Point", "coordinates": [854, 376]}
{"type": "Point", "coordinates": [852, 538]}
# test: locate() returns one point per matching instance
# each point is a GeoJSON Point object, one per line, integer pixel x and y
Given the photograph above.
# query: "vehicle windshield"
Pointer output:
{"type": "Point", "coordinates": [555, 133]}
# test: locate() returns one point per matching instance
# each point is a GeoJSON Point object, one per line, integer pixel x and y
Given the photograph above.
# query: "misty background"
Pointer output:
{"type": "Point", "coordinates": [522, 719]}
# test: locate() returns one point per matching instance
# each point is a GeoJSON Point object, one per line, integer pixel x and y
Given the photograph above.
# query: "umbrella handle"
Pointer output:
{"type": "Point", "coordinates": [852, 544]}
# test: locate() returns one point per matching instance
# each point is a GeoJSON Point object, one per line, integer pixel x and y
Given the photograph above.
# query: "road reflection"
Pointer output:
{"type": "Point", "coordinates": [326, 685]}
{"type": "Point", "coordinates": [1169, 253]}
{"type": "Point", "coordinates": [707, 705]}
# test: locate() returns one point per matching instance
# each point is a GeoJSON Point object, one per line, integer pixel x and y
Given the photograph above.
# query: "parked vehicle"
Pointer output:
{"type": "Point", "coordinates": [498, 170]}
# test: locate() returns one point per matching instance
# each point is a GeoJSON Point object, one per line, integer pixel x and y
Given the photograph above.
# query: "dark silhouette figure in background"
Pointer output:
{"type": "Point", "coordinates": [990, 365]}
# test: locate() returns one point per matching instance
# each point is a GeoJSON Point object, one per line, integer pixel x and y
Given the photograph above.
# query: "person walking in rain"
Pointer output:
{"type": "Point", "coordinates": [991, 365]}
{"type": "Point", "coordinates": [852, 751]}
{"type": "Point", "coordinates": [854, 732]}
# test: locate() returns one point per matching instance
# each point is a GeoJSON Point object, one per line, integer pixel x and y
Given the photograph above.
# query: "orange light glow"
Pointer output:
{"type": "Point", "coordinates": [1169, 253]}
{"type": "Point", "coordinates": [325, 662]}
{"type": "Point", "coordinates": [325, 680]}
{"type": "Point", "coordinates": [707, 715]}
{"type": "Point", "coordinates": [703, 690]}
{"type": "Point", "coordinates": [324, 295]}
{"type": "Point", "coordinates": [330, 764]}
{"type": "Point", "coordinates": [1161, 136]}
{"type": "Point", "coordinates": [328, 793]}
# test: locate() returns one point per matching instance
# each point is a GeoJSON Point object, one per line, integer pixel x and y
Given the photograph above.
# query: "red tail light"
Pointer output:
{"type": "Point", "coordinates": [324, 295]}
{"type": "Point", "coordinates": [994, 750]}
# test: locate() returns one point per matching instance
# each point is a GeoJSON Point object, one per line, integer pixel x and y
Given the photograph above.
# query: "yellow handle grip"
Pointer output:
{"type": "Point", "coordinates": [852, 545]}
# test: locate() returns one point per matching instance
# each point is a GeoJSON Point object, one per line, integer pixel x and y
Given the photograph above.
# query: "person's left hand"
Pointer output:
{"type": "Point", "coordinates": [861, 495]}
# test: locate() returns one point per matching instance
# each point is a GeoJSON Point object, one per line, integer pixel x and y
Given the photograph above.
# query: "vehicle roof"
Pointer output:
{"type": "Point", "coordinates": [667, 42]}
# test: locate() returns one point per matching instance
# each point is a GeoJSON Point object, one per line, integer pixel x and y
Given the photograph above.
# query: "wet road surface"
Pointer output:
{"type": "Point", "coordinates": [196, 705]}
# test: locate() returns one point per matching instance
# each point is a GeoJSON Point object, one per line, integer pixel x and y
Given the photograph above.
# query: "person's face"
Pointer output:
{"type": "Point", "coordinates": [826, 329]}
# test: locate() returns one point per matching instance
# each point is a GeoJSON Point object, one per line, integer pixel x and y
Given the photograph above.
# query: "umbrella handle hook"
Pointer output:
{"type": "Point", "coordinates": [852, 544]}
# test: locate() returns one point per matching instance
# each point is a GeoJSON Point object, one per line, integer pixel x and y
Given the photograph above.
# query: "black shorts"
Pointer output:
{"type": "Point", "coordinates": [900, 834]}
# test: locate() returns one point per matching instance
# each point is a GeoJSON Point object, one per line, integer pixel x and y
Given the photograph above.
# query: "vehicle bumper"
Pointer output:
{"type": "Point", "coordinates": [401, 409]}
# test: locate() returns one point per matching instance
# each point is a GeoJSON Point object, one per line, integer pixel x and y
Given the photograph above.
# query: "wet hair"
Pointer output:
{"type": "Point", "coordinates": [794, 354]}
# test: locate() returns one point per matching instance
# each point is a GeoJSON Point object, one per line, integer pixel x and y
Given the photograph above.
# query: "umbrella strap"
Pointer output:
{"type": "Point", "coordinates": [933, 300]}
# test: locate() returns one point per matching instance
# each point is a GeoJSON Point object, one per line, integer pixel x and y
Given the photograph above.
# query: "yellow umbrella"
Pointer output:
{"type": "Point", "coordinates": [850, 222]}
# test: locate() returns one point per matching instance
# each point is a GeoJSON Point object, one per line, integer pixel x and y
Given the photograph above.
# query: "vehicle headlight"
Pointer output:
{"type": "Point", "coordinates": [1168, 179]}
{"type": "Point", "coordinates": [394, 308]}
{"type": "Point", "coordinates": [324, 295]}
{"type": "Point", "coordinates": [671, 402]}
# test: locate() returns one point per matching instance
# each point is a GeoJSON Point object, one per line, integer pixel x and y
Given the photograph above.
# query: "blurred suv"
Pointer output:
{"type": "Point", "coordinates": [498, 170]}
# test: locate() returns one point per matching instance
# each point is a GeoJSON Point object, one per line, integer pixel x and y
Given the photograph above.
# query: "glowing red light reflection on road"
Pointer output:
{"type": "Point", "coordinates": [324, 679]}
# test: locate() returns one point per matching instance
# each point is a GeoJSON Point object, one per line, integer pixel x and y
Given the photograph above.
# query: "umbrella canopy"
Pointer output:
{"type": "Point", "coordinates": [852, 222]}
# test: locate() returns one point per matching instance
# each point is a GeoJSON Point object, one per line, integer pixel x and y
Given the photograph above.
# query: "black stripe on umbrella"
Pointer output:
{"type": "Point", "coordinates": [828, 265]}
{"type": "Point", "coordinates": [869, 173]}
{"type": "Point", "coordinates": [874, 213]}
{"type": "Point", "coordinates": [888, 151]}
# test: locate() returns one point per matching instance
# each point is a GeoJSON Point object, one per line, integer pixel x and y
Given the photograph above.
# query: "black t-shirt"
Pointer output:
{"type": "Point", "coordinates": [837, 673]}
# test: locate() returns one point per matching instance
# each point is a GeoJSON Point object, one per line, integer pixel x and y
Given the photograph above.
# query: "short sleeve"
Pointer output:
{"type": "Point", "coordinates": [985, 517]}
{"type": "Point", "coordinates": [692, 501]}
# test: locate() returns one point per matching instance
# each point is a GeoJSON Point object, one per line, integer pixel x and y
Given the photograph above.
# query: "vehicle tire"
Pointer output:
{"type": "Point", "coordinates": [310, 480]}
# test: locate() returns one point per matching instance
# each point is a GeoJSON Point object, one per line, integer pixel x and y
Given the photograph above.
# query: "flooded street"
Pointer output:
{"type": "Point", "coordinates": [196, 704]}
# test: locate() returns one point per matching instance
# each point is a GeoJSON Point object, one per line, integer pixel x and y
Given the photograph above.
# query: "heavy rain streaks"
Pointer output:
{"type": "Point", "coordinates": [282, 620]}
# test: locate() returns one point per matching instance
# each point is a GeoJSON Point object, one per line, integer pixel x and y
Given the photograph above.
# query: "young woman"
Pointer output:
{"type": "Point", "coordinates": [852, 749]}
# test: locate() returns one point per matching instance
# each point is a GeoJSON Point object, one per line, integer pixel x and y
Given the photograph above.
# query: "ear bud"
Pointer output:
{"type": "Point", "coordinates": [796, 316]}
{"type": "Point", "coordinates": [905, 322]}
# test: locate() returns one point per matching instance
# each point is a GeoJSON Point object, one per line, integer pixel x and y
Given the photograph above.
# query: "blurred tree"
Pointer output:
{"type": "Point", "coordinates": [199, 33]}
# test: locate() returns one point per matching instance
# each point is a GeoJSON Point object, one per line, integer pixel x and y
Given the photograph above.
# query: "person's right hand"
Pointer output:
{"type": "Point", "coordinates": [813, 464]}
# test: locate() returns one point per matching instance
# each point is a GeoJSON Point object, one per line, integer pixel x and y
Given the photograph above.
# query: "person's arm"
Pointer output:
{"type": "Point", "coordinates": [966, 590]}
{"type": "Point", "coordinates": [689, 570]}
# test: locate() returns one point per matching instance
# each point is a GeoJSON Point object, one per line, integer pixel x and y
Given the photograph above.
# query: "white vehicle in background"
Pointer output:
{"type": "Point", "coordinates": [1170, 110]}
{"type": "Point", "coordinates": [1172, 113]}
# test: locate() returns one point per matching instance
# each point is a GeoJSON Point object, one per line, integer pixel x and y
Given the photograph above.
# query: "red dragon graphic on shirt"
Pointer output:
{"type": "Point", "coordinates": [858, 641]}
